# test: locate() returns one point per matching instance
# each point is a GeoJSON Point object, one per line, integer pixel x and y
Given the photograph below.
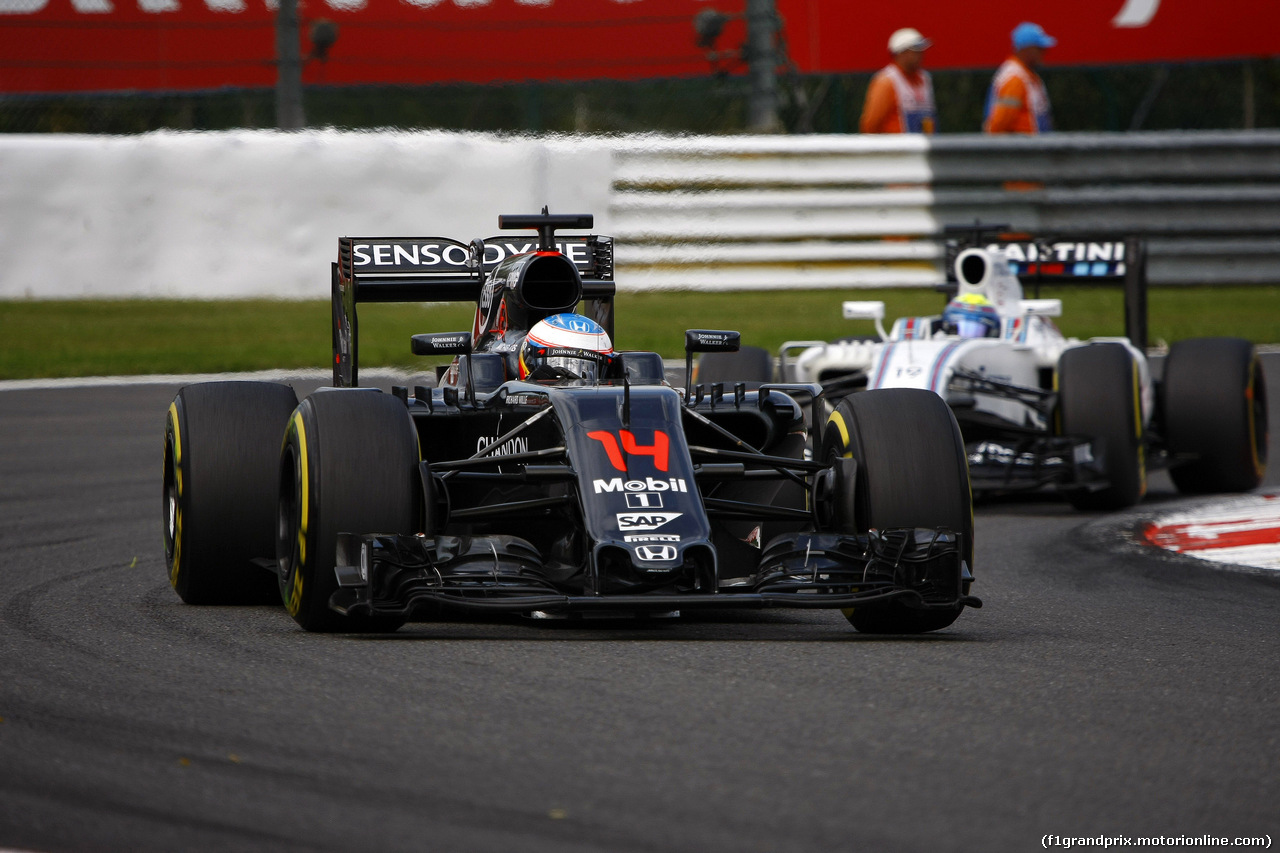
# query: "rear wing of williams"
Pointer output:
{"type": "Point", "coordinates": [441, 269]}
{"type": "Point", "coordinates": [1066, 257]}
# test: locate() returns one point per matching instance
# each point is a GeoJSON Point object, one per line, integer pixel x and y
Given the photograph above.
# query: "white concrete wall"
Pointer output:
{"type": "Point", "coordinates": [259, 213]}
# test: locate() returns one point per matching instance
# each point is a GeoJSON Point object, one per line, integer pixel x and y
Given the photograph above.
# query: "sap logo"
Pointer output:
{"type": "Point", "coordinates": [649, 484]}
{"type": "Point", "coordinates": [646, 520]}
{"type": "Point", "coordinates": [644, 500]}
{"type": "Point", "coordinates": [656, 553]}
{"type": "Point", "coordinates": [652, 537]}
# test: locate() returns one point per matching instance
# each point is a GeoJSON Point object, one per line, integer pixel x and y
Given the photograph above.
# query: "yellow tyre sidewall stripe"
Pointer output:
{"type": "Point", "coordinates": [293, 593]}
{"type": "Point", "coordinates": [843, 428]}
{"type": "Point", "coordinates": [1137, 429]}
{"type": "Point", "coordinates": [838, 419]}
{"type": "Point", "coordinates": [175, 561]}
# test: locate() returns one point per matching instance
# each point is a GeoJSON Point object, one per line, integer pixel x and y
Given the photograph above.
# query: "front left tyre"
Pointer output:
{"type": "Point", "coordinates": [349, 464]}
{"type": "Point", "coordinates": [221, 455]}
{"type": "Point", "coordinates": [911, 471]}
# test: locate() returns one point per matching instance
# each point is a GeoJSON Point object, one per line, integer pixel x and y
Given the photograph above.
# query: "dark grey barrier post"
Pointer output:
{"type": "Point", "coordinates": [1135, 291]}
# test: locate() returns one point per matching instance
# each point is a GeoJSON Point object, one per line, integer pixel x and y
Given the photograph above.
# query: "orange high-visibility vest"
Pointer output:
{"type": "Point", "coordinates": [898, 104]}
{"type": "Point", "coordinates": [1017, 101]}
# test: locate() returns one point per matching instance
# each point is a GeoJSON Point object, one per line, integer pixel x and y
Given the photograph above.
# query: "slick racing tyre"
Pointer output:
{"type": "Point", "coordinates": [1215, 415]}
{"type": "Point", "coordinates": [748, 364]}
{"type": "Point", "coordinates": [912, 471]}
{"type": "Point", "coordinates": [1098, 399]}
{"type": "Point", "coordinates": [221, 455]}
{"type": "Point", "coordinates": [348, 465]}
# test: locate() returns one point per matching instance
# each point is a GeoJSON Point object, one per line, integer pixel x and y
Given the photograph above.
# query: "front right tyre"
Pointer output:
{"type": "Point", "coordinates": [221, 452]}
{"type": "Point", "coordinates": [1215, 415]}
{"type": "Point", "coordinates": [1099, 399]}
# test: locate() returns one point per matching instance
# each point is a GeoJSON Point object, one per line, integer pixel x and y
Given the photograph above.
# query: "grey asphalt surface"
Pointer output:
{"type": "Point", "coordinates": [1105, 689]}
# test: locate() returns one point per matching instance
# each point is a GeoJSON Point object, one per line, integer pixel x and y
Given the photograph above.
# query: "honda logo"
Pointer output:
{"type": "Point", "coordinates": [656, 553]}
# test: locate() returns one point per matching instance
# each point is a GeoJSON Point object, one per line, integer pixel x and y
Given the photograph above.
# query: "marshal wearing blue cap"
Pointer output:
{"type": "Point", "coordinates": [1017, 101]}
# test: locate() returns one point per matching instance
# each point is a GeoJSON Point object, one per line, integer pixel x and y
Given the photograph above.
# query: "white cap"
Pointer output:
{"type": "Point", "coordinates": [907, 39]}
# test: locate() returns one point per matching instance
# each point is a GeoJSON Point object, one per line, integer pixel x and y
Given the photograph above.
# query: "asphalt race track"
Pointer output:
{"type": "Point", "coordinates": [1105, 689]}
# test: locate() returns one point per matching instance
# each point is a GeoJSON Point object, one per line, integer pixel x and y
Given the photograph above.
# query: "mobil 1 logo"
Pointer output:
{"type": "Point", "coordinates": [644, 499]}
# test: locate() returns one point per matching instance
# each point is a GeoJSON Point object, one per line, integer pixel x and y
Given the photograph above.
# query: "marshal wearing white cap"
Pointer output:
{"type": "Point", "coordinates": [900, 96]}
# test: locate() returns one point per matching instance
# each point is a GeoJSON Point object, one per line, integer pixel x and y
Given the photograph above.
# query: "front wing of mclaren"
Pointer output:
{"type": "Point", "coordinates": [401, 575]}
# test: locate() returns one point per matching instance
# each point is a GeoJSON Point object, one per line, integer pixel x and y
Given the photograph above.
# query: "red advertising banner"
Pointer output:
{"type": "Point", "coordinates": [176, 45]}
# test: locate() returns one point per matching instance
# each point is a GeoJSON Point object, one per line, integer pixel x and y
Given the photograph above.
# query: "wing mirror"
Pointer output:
{"type": "Point", "coordinates": [706, 340]}
{"type": "Point", "coordinates": [1041, 307]}
{"type": "Point", "coordinates": [867, 311]}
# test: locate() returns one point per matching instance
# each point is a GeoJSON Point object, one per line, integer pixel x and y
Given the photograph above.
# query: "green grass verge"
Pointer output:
{"type": "Point", "coordinates": [94, 338]}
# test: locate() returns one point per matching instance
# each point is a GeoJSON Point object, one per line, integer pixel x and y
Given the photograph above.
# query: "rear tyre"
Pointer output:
{"type": "Point", "coordinates": [748, 364]}
{"type": "Point", "coordinates": [1098, 398]}
{"type": "Point", "coordinates": [348, 465]}
{"type": "Point", "coordinates": [1215, 410]}
{"type": "Point", "coordinates": [912, 471]}
{"type": "Point", "coordinates": [221, 455]}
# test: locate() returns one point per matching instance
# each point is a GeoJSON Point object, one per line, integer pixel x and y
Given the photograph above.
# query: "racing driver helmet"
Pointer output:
{"type": "Point", "coordinates": [972, 316]}
{"type": "Point", "coordinates": [566, 347]}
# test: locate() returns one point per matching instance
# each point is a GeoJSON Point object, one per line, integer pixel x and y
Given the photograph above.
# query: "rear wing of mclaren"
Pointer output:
{"type": "Point", "coordinates": [1065, 257]}
{"type": "Point", "coordinates": [440, 269]}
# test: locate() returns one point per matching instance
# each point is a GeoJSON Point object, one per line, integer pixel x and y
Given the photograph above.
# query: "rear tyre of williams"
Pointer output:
{"type": "Point", "coordinates": [1098, 398]}
{"type": "Point", "coordinates": [349, 464]}
{"type": "Point", "coordinates": [1215, 415]}
{"type": "Point", "coordinates": [221, 452]}
{"type": "Point", "coordinates": [912, 471]}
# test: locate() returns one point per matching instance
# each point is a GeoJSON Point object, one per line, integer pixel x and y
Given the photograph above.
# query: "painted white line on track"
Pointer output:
{"type": "Point", "coordinates": [1244, 531]}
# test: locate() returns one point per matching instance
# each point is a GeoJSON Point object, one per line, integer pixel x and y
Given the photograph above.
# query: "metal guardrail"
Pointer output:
{"type": "Point", "coordinates": [858, 211]}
